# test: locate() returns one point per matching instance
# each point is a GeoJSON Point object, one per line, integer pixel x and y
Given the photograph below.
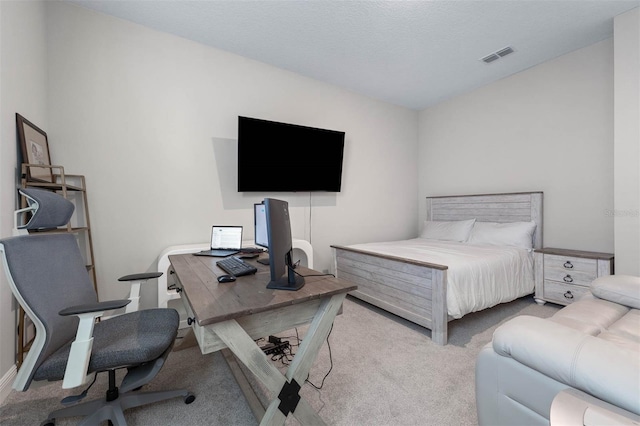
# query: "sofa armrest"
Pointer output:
{"type": "Point", "coordinates": [598, 367]}
{"type": "Point", "coordinates": [621, 289]}
{"type": "Point", "coordinates": [572, 407]}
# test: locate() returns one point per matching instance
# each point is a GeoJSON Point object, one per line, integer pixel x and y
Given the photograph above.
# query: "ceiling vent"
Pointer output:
{"type": "Point", "coordinates": [497, 55]}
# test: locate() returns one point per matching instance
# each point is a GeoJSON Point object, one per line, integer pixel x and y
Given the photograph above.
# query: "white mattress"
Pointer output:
{"type": "Point", "coordinates": [479, 276]}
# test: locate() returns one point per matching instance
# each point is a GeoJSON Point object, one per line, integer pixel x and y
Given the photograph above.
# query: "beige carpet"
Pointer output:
{"type": "Point", "coordinates": [386, 371]}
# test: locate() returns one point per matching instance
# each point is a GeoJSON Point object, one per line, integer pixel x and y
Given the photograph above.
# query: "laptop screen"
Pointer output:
{"type": "Point", "coordinates": [226, 237]}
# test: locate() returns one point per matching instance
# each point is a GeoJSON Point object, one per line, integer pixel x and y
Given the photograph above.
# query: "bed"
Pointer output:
{"type": "Point", "coordinates": [435, 279]}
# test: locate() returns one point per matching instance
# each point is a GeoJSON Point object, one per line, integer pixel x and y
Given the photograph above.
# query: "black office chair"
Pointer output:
{"type": "Point", "coordinates": [48, 276]}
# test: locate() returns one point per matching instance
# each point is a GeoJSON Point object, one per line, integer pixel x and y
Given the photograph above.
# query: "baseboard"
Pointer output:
{"type": "Point", "coordinates": [6, 381]}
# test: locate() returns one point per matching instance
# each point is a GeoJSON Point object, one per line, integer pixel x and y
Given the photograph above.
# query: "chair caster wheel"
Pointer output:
{"type": "Point", "coordinates": [189, 398]}
{"type": "Point", "coordinates": [49, 422]}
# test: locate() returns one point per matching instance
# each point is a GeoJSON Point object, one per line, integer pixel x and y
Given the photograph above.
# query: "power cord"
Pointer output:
{"type": "Point", "coordinates": [330, 364]}
{"type": "Point", "coordinates": [286, 356]}
{"type": "Point", "coordinates": [310, 217]}
{"type": "Point", "coordinates": [295, 265]}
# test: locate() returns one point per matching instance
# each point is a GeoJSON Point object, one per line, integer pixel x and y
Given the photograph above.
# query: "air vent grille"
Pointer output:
{"type": "Point", "coordinates": [491, 58]}
{"type": "Point", "coordinates": [497, 55]}
{"type": "Point", "coordinates": [504, 52]}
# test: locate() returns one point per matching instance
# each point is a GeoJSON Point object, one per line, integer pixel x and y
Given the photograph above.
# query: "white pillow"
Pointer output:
{"type": "Point", "coordinates": [518, 234]}
{"type": "Point", "coordinates": [457, 230]}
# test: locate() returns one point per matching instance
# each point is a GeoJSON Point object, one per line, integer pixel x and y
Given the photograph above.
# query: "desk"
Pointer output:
{"type": "Point", "coordinates": [233, 315]}
{"type": "Point", "coordinates": [165, 295]}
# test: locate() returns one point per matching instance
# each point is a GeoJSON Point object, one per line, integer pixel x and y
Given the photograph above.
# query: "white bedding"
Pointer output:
{"type": "Point", "coordinates": [479, 276]}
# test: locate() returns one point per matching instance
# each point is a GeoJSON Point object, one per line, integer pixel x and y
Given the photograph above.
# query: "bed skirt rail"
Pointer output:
{"type": "Point", "coordinates": [413, 290]}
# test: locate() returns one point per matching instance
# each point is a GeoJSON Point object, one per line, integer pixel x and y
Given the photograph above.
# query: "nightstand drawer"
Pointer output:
{"type": "Point", "coordinates": [569, 263]}
{"type": "Point", "coordinates": [570, 270]}
{"type": "Point", "coordinates": [563, 293]}
{"type": "Point", "coordinates": [570, 277]}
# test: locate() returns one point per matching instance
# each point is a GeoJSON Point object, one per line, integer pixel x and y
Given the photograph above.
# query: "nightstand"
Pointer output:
{"type": "Point", "coordinates": [562, 276]}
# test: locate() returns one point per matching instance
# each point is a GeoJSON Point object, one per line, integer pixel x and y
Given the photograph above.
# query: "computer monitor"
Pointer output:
{"type": "Point", "coordinates": [279, 243]}
{"type": "Point", "coordinates": [261, 238]}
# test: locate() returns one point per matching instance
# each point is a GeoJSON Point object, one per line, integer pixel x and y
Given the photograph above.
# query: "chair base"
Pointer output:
{"type": "Point", "coordinates": [100, 410]}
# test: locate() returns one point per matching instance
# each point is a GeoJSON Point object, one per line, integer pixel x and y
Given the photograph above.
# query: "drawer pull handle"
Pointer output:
{"type": "Point", "coordinates": [174, 287]}
{"type": "Point", "coordinates": [568, 279]}
{"type": "Point", "coordinates": [191, 320]}
{"type": "Point", "coordinates": [568, 295]}
{"type": "Point", "coordinates": [568, 264]}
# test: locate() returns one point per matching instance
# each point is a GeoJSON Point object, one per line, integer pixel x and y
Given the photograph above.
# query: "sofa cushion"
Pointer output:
{"type": "Point", "coordinates": [626, 331]}
{"type": "Point", "coordinates": [597, 366]}
{"type": "Point", "coordinates": [622, 289]}
{"type": "Point", "coordinates": [590, 315]}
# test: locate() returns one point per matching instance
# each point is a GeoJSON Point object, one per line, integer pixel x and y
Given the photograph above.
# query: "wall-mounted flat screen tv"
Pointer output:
{"type": "Point", "coordinates": [281, 157]}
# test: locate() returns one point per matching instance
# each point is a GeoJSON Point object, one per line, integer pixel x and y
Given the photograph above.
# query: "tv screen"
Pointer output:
{"type": "Point", "coordinates": [275, 156]}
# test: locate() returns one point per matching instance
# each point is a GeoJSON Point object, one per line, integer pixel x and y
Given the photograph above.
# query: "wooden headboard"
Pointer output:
{"type": "Point", "coordinates": [508, 207]}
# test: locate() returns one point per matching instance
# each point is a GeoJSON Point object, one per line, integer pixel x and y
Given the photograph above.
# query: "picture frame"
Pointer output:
{"type": "Point", "coordinates": [35, 149]}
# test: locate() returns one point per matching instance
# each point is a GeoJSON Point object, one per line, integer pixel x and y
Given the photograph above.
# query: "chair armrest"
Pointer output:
{"type": "Point", "coordinates": [134, 292]}
{"type": "Point", "coordinates": [596, 366]}
{"type": "Point", "coordinates": [75, 373]}
{"type": "Point", "coordinates": [95, 307]}
{"type": "Point", "coordinates": [140, 277]}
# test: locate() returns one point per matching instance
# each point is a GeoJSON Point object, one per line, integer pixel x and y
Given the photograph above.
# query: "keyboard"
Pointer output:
{"type": "Point", "coordinates": [235, 266]}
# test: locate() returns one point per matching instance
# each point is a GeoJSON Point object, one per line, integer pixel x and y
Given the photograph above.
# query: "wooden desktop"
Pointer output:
{"type": "Point", "coordinates": [233, 315]}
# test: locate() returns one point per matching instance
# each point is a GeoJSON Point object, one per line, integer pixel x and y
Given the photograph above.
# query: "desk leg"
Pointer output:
{"type": "Point", "coordinates": [307, 353]}
{"type": "Point", "coordinates": [246, 350]}
{"type": "Point", "coordinates": [245, 386]}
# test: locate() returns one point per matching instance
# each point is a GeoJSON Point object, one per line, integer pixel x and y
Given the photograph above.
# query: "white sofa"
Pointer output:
{"type": "Point", "coordinates": [592, 345]}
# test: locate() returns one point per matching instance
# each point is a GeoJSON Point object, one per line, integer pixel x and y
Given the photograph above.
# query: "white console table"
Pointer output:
{"type": "Point", "coordinates": [165, 294]}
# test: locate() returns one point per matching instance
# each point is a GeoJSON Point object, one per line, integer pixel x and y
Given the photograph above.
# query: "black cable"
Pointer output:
{"type": "Point", "coordinates": [309, 217]}
{"type": "Point", "coordinates": [297, 337]}
{"type": "Point", "coordinates": [330, 364]}
{"type": "Point", "coordinates": [313, 275]}
{"type": "Point", "coordinates": [286, 359]}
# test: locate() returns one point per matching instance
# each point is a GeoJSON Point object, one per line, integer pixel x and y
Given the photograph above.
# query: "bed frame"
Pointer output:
{"type": "Point", "coordinates": [415, 290]}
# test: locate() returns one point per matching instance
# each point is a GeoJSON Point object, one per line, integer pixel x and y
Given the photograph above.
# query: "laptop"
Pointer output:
{"type": "Point", "coordinates": [225, 241]}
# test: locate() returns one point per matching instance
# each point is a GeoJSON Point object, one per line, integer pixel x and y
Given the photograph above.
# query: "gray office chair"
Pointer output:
{"type": "Point", "coordinates": [48, 277]}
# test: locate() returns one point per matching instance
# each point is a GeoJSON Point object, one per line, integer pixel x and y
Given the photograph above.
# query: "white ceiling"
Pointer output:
{"type": "Point", "coordinates": [410, 53]}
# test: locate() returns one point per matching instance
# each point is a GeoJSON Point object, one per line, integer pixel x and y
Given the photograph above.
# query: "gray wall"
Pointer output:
{"type": "Point", "coordinates": [151, 120]}
{"type": "Point", "coordinates": [23, 89]}
{"type": "Point", "coordinates": [549, 128]}
{"type": "Point", "coordinates": [626, 212]}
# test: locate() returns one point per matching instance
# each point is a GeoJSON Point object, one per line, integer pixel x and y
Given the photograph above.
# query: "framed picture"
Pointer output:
{"type": "Point", "coordinates": [35, 149]}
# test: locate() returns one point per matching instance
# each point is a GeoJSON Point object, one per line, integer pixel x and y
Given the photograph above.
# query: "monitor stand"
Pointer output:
{"type": "Point", "coordinates": [291, 282]}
